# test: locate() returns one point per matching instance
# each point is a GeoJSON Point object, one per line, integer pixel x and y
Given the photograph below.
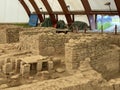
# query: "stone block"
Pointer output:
{"type": "Point", "coordinates": [56, 62]}
{"type": "Point", "coordinates": [60, 70]}
{"type": "Point", "coordinates": [50, 65]}
{"type": "Point", "coordinates": [7, 68]}
{"type": "Point", "coordinates": [39, 66]}
{"type": "Point", "coordinates": [45, 75]}
{"type": "Point", "coordinates": [7, 60]}
{"type": "Point", "coordinates": [116, 86]}
{"type": "Point", "coordinates": [3, 86]}
{"type": "Point", "coordinates": [25, 69]}
{"type": "Point", "coordinates": [17, 65]}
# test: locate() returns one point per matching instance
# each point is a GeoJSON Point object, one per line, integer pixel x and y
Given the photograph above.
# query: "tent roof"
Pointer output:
{"type": "Point", "coordinates": [75, 5]}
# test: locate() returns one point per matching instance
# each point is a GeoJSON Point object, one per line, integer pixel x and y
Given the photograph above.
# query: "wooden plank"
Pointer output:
{"type": "Point", "coordinates": [65, 11]}
{"type": "Point", "coordinates": [25, 7]}
{"type": "Point", "coordinates": [50, 12]}
{"type": "Point", "coordinates": [37, 10]}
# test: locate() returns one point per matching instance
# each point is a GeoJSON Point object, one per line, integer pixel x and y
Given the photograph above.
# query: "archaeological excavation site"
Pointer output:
{"type": "Point", "coordinates": [60, 45]}
{"type": "Point", "coordinates": [38, 58]}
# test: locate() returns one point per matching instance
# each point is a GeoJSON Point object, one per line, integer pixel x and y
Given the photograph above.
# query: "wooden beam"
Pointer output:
{"type": "Point", "coordinates": [96, 21]}
{"type": "Point", "coordinates": [84, 13]}
{"type": "Point", "coordinates": [65, 11]}
{"type": "Point", "coordinates": [25, 7]}
{"type": "Point", "coordinates": [90, 16]}
{"type": "Point", "coordinates": [105, 12]}
{"type": "Point", "coordinates": [37, 10]}
{"type": "Point", "coordinates": [50, 12]}
{"type": "Point", "coordinates": [117, 2]}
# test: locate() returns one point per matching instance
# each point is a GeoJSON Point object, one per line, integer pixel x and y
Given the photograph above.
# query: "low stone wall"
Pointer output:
{"type": "Point", "coordinates": [9, 35]}
{"type": "Point", "coordinates": [3, 38]}
{"type": "Point", "coordinates": [46, 44]}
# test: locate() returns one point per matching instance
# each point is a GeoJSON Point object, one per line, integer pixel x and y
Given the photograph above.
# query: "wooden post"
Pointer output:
{"type": "Point", "coordinates": [102, 29]}
{"type": "Point", "coordinates": [44, 16]}
{"type": "Point", "coordinates": [115, 29]}
{"type": "Point", "coordinates": [85, 30]}
{"type": "Point", "coordinates": [57, 17]}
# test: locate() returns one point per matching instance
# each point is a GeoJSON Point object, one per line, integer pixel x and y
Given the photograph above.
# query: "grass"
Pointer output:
{"type": "Point", "coordinates": [25, 25]}
{"type": "Point", "coordinates": [105, 25]}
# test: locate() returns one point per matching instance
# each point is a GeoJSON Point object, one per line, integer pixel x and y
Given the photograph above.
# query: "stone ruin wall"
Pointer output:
{"type": "Point", "coordinates": [9, 35]}
{"type": "Point", "coordinates": [46, 44]}
{"type": "Point", "coordinates": [78, 48]}
{"type": "Point", "coordinates": [104, 58]}
{"type": "Point", "coordinates": [52, 44]}
{"type": "Point", "coordinates": [29, 43]}
{"type": "Point", "coordinates": [85, 79]}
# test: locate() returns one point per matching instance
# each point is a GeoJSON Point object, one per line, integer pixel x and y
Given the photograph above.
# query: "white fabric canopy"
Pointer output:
{"type": "Point", "coordinates": [100, 4]}
{"type": "Point", "coordinates": [11, 11]}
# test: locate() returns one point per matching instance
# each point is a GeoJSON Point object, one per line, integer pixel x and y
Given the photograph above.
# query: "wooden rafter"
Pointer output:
{"type": "Point", "coordinates": [50, 12]}
{"type": "Point", "coordinates": [25, 7]}
{"type": "Point", "coordinates": [105, 12]}
{"type": "Point", "coordinates": [90, 16]}
{"type": "Point", "coordinates": [117, 2]}
{"type": "Point", "coordinates": [65, 11]}
{"type": "Point", "coordinates": [84, 13]}
{"type": "Point", "coordinates": [37, 10]}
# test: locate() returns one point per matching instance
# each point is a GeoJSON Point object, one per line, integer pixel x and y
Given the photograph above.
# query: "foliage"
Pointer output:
{"type": "Point", "coordinates": [24, 25]}
{"type": "Point", "coordinates": [47, 23]}
{"type": "Point", "coordinates": [105, 25]}
{"type": "Point", "coordinates": [60, 24]}
{"type": "Point", "coordinates": [78, 25]}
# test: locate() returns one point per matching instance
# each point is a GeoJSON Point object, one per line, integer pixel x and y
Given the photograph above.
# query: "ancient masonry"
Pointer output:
{"type": "Point", "coordinates": [104, 56]}
{"type": "Point", "coordinates": [90, 59]}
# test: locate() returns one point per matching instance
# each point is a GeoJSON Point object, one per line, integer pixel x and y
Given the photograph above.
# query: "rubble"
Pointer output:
{"type": "Point", "coordinates": [45, 75]}
{"type": "Point", "coordinates": [60, 70]}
